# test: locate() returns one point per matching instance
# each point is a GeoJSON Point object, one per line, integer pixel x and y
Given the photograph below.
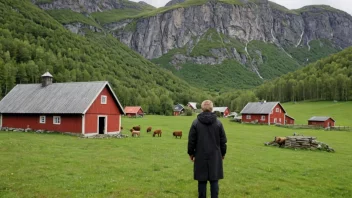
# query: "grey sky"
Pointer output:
{"type": "Point", "coordinates": [345, 5]}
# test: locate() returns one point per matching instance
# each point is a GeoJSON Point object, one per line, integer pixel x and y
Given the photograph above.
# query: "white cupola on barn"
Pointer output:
{"type": "Point", "coordinates": [47, 79]}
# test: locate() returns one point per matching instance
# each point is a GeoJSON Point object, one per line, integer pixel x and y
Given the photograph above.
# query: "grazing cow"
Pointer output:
{"type": "Point", "coordinates": [135, 133]}
{"type": "Point", "coordinates": [149, 129]}
{"type": "Point", "coordinates": [177, 134]}
{"type": "Point", "coordinates": [280, 140]}
{"type": "Point", "coordinates": [157, 132]}
{"type": "Point", "coordinates": [137, 128]}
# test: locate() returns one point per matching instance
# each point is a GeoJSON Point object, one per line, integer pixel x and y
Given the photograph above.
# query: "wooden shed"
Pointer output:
{"type": "Point", "coordinates": [289, 120]}
{"type": "Point", "coordinates": [224, 111]}
{"type": "Point", "coordinates": [322, 121]}
{"type": "Point", "coordinates": [134, 111]}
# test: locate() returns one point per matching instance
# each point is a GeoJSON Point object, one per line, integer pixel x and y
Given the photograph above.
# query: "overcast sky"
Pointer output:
{"type": "Point", "coordinates": [345, 5]}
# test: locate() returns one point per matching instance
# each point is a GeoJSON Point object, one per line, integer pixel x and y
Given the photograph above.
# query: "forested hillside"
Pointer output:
{"type": "Point", "coordinates": [31, 43]}
{"type": "Point", "coordinates": [327, 79]}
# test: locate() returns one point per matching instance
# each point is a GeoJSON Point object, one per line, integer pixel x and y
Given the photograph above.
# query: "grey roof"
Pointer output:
{"type": "Point", "coordinates": [320, 118]}
{"type": "Point", "coordinates": [193, 104]}
{"type": "Point", "coordinates": [220, 109]}
{"type": "Point", "coordinates": [57, 98]}
{"type": "Point", "coordinates": [259, 107]}
{"type": "Point", "coordinates": [233, 114]}
{"type": "Point", "coordinates": [47, 74]}
{"type": "Point", "coordinates": [289, 117]}
{"type": "Point", "coordinates": [178, 107]}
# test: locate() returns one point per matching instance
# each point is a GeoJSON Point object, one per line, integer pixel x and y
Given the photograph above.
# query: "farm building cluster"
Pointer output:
{"type": "Point", "coordinates": [179, 109]}
{"type": "Point", "coordinates": [273, 113]}
{"type": "Point", "coordinates": [92, 108]}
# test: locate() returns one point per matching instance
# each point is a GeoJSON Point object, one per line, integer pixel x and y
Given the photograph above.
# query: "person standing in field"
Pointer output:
{"type": "Point", "coordinates": [207, 149]}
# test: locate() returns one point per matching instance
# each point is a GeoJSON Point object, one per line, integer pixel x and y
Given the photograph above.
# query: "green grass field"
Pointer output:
{"type": "Point", "coordinates": [51, 165]}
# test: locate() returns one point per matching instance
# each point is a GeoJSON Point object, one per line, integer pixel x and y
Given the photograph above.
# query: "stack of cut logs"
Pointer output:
{"type": "Point", "coordinates": [303, 142]}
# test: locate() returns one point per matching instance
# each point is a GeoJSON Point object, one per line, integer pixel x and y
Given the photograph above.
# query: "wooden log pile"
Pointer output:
{"type": "Point", "coordinates": [303, 142]}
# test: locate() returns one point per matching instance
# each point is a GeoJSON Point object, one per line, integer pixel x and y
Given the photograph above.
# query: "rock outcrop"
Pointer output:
{"type": "Point", "coordinates": [156, 35]}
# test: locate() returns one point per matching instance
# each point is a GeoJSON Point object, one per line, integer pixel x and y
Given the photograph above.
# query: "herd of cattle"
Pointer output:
{"type": "Point", "coordinates": [136, 132]}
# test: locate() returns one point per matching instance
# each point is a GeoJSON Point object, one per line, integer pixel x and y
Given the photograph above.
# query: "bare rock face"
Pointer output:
{"type": "Point", "coordinates": [77, 28]}
{"type": "Point", "coordinates": [156, 35]}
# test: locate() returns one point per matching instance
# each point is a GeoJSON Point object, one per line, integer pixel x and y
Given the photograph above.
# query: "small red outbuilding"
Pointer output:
{"type": "Point", "coordinates": [321, 121]}
{"type": "Point", "coordinates": [88, 108]}
{"type": "Point", "coordinates": [289, 120]}
{"type": "Point", "coordinates": [224, 111]}
{"type": "Point", "coordinates": [134, 111]}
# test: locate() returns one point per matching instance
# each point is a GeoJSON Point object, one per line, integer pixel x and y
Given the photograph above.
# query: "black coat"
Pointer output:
{"type": "Point", "coordinates": [207, 142]}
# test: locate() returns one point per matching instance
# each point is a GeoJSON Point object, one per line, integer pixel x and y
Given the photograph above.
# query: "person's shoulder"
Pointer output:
{"type": "Point", "coordinates": [218, 122]}
{"type": "Point", "coordinates": [195, 121]}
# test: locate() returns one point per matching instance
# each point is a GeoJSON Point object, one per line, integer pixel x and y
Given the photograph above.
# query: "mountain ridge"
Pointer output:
{"type": "Point", "coordinates": [258, 35]}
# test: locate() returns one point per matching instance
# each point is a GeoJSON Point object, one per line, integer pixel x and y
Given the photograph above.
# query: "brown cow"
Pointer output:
{"type": "Point", "coordinates": [158, 132]}
{"type": "Point", "coordinates": [149, 129]}
{"type": "Point", "coordinates": [137, 128]}
{"type": "Point", "coordinates": [135, 133]}
{"type": "Point", "coordinates": [177, 134]}
{"type": "Point", "coordinates": [280, 140]}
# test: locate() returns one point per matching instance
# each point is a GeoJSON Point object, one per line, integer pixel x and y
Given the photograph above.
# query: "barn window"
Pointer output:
{"type": "Point", "coordinates": [263, 117]}
{"type": "Point", "coordinates": [280, 120]}
{"type": "Point", "coordinates": [104, 99]}
{"type": "Point", "coordinates": [248, 117]}
{"type": "Point", "coordinates": [277, 109]}
{"type": "Point", "coordinates": [57, 120]}
{"type": "Point", "coordinates": [42, 119]}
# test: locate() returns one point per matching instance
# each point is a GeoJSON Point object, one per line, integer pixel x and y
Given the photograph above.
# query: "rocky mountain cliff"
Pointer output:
{"type": "Point", "coordinates": [156, 35]}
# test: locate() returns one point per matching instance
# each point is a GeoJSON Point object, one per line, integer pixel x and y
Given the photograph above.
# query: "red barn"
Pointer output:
{"type": "Point", "coordinates": [224, 111]}
{"type": "Point", "coordinates": [178, 109]}
{"type": "Point", "coordinates": [264, 113]}
{"type": "Point", "coordinates": [289, 120]}
{"type": "Point", "coordinates": [80, 107]}
{"type": "Point", "coordinates": [134, 111]}
{"type": "Point", "coordinates": [321, 121]}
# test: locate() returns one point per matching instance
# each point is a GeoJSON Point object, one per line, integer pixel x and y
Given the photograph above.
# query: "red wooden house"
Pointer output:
{"type": "Point", "coordinates": [178, 109]}
{"type": "Point", "coordinates": [224, 111]}
{"type": "Point", "coordinates": [289, 120]}
{"type": "Point", "coordinates": [264, 113]}
{"type": "Point", "coordinates": [80, 107]}
{"type": "Point", "coordinates": [321, 121]}
{"type": "Point", "coordinates": [134, 111]}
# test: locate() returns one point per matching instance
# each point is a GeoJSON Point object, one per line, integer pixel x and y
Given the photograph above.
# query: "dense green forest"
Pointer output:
{"type": "Point", "coordinates": [327, 79]}
{"type": "Point", "coordinates": [31, 43]}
